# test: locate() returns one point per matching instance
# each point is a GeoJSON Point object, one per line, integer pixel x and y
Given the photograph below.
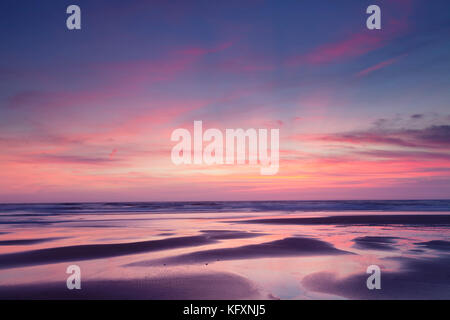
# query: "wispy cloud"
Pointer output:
{"type": "Point", "coordinates": [437, 136]}
{"type": "Point", "coordinates": [378, 66]}
{"type": "Point", "coordinates": [353, 46]}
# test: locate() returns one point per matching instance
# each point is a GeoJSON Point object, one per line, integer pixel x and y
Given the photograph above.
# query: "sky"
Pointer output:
{"type": "Point", "coordinates": [87, 115]}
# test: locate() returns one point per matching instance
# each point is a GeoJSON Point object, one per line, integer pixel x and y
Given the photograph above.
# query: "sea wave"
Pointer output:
{"type": "Point", "coordinates": [223, 206]}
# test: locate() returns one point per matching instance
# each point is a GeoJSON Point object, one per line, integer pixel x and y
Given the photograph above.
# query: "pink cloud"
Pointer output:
{"type": "Point", "coordinates": [395, 23]}
{"type": "Point", "coordinates": [377, 66]}
{"type": "Point", "coordinates": [354, 46]}
{"type": "Point", "coordinates": [436, 136]}
{"type": "Point", "coordinates": [199, 51]}
{"type": "Point", "coordinates": [249, 64]}
{"type": "Point", "coordinates": [117, 79]}
{"type": "Point", "coordinates": [113, 153]}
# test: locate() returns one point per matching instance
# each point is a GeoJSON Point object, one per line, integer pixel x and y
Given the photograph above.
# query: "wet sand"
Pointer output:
{"type": "Point", "coordinates": [191, 286]}
{"type": "Point", "coordinates": [97, 251]}
{"type": "Point", "coordinates": [368, 220]}
{"type": "Point", "coordinates": [225, 255]}
{"type": "Point", "coordinates": [280, 248]}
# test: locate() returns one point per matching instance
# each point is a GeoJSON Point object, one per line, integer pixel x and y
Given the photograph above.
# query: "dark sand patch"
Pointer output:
{"type": "Point", "coordinates": [294, 246]}
{"type": "Point", "coordinates": [22, 242]}
{"type": "Point", "coordinates": [375, 243]}
{"type": "Point", "coordinates": [191, 286]}
{"type": "Point", "coordinates": [367, 220]}
{"type": "Point", "coordinates": [97, 251]}
{"type": "Point", "coordinates": [417, 279]}
{"type": "Point", "coordinates": [230, 234]}
{"type": "Point", "coordinates": [416, 250]}
{"type": "Point", "coordinates": [436, 245]}
{"type": "Point", "coordinates": [39, 222]}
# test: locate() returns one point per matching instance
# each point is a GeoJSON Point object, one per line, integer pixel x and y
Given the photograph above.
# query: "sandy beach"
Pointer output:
{"type": "Point", "coordinates": [230, 250]}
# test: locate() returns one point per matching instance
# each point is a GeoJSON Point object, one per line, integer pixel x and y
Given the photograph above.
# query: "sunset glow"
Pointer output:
{"type": "Point", "coordinates": [362, 114]}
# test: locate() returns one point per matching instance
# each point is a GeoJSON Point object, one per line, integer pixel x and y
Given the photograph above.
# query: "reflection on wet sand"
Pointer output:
{"type": "Point", "coordinates": [247, 254]}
